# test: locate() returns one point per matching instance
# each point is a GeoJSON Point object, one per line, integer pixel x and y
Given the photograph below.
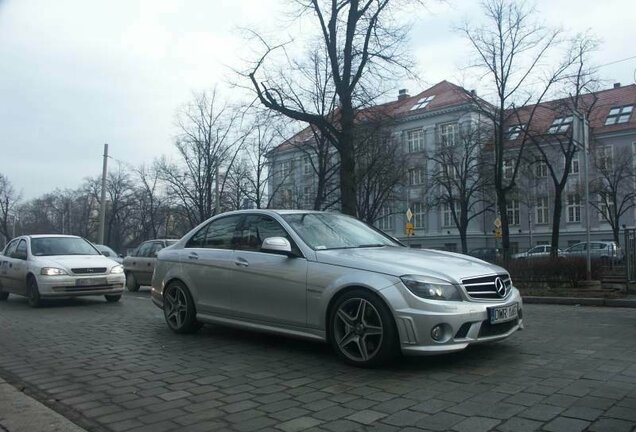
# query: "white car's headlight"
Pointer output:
{"type": "Point", "coordinates": [52, 271]}
{"type": "Point", "coordinates": [431, 288]}
{"type": "Point", "coordinates": [118, 269]}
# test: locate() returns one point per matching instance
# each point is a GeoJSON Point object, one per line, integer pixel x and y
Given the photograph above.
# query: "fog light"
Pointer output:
{"type": "Point", "coordinates": [437, 333]}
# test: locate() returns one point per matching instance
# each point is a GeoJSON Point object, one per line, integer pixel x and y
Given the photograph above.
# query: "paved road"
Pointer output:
{"type": "Point", "coordinates": [116, 367]}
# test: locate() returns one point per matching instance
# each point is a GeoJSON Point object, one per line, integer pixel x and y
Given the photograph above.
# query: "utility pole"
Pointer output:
{"type": "Point", "coordinates": [102, 210]}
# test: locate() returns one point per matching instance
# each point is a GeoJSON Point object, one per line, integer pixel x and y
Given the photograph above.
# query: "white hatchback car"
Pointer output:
{"type": "Point", "coordinates": [58, 266]}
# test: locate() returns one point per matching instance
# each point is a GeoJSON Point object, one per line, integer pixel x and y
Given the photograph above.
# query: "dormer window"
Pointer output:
{"type": "Point", "coordinates": [422, 102]}
{"type": "Point", "coordinates": [560, 125]}
{"type": "Point", "coordinates": [514, 131]}
{"type": "Point", "coordinates": [619, 115]}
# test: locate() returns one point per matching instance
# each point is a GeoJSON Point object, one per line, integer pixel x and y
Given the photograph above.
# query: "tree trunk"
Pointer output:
{"type": "Point", "coordinates": [556, 222]}
{"type": "Point", "coordinates": [505, 229]}
{"type": "Point", "coordinates": [348, 194]}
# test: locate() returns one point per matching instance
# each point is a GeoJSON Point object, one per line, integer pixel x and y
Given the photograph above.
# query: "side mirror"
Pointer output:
{"type": "Point", "coordinates": [120, 255]}
{"type": "Point", "coordinates": [277, 245]}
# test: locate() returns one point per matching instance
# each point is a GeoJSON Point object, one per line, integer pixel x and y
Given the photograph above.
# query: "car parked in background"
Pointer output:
{"type": "Point", "coordinates": [330, 277]}
{"type": "Point", "coordinates": [139, 265]}
{"type": "Point", "coordinates": [604, 250]}
{"type": "Point", "coordinates": [540, 251]}
{"type": "Point", "coordinates": [58, 266]}
{"type": "Point", "coordinates": [108, 252]}
{"type": "Point", "coordinates": [491, 254]}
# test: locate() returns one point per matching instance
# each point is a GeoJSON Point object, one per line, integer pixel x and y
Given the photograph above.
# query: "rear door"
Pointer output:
{"type": "Point", "coordinates": [267, 286]}
{"type": "Point", "coordinates": [208, 262]}
{"type": "Point", "coordinates": [139, 262]}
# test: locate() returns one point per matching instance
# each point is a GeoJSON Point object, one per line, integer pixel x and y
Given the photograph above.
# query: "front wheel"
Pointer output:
{"type": "Point", "coordinates": [33, 293]}
{"type": "Point", "coordinates": [112, 298]}
{"type": "Point", "coordinates": [179, 309]}
{"type": "Point", "coordinates": [362, 331]}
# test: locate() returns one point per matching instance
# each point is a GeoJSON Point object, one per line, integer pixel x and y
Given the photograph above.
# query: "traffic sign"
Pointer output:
{"type": "Point", "coordinates": [497, 222]}
{"type": "Point", "coordinates": [409, 229]}
{"type": "Point", "coordinates": [497, 232]}
{"type": "Point", "coordinates": [409, 215]}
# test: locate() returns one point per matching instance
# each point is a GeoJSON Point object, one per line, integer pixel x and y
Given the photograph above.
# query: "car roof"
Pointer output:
{"type": "Point", "coordinates": [52, 235]}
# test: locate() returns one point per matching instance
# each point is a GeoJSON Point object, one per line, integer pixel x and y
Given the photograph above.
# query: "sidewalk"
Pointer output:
{"type": "Point", "coordinates": [21, 413]}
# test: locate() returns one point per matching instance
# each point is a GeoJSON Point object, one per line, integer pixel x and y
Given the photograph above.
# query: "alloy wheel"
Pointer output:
{"type": "Point", "coordinates": [358, 329]}
{"type": "Point", "coordinates": [175, 306]}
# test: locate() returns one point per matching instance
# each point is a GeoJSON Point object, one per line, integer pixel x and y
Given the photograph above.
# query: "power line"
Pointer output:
{"type": "Point", "coordinates": [616, 61]}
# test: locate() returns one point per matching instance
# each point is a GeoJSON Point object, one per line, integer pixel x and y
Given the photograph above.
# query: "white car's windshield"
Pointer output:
{"type": "Point", "coordinates": [46, 246]}
{"type": "Point", "coordinates": [323, 231]}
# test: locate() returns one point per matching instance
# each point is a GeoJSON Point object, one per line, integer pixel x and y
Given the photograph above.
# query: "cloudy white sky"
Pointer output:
{"type": "Point", "coordinates": [75, 74]}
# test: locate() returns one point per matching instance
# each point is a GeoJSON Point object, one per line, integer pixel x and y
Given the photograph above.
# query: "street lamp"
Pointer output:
{"type": "Point", "coordinates": [581, 139]}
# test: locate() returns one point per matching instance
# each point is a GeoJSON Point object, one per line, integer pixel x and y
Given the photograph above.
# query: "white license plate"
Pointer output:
{"type": "Point", "coordinates": [503, 313]}
{"type": "Point", "coordinates": [90, 282]}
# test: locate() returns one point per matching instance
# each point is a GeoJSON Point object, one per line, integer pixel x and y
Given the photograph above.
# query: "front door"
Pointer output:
{"type": "Point", "coordinates": [266, 286]}
{"type": "Point", "coordinates": [18, 268]}
{"type": "Point", "coordinates": [6, 267]}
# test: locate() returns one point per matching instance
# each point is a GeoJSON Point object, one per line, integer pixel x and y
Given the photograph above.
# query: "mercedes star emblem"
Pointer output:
{"type": "Point", "coordinates": [500, 287]}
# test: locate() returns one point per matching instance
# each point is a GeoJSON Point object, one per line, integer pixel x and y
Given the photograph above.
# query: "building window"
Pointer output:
{"type": "Point", "coordinates": [514, 131]}
{"type": "Point", "coordinates": [560, 125]}
{"type": "Point", "coordinates": [415, 140]}
{"type": "Point", "coordinates": [308, 197]}
{"type": "Point", "coordinates": [450, 172]}
{"type": "Point", "coordinates": [512, 210]}
{"type": "Point", "coordinates": [307, 168]}
{"type": "Point", "coordinates": [419, 215]}
{"type": "Point", "coordinates": [604, 158]}
{"type": "Point", "coordinates": [422, 102]}
{"type": "Point", "coordinates": [606, 203]}
{"type": "Point", "coordinates": [619, 115]}
{"type": "Point", "coordinates": [574, 207]}
{"type": "Point", "coordinates": [447, 216]}
{"type": "Point", "coordinates": [285, 168]}
{"type": "Point", "coordinates": [448, 134]}
{"type": "Point", "coordinates": [542, 210]}
{"type": "Point", "coordinates": [508, 168]}
{"type": "Point", "coordinates": [417, 176]}
{"type": "Point", "coordinates": [574, 164]}
{"type": "Point", "coordinates": [541, 169]}
{"type": "Point", "coordinates": [286, 200]}
{"type": "Point", "coordinates": [385, 221]}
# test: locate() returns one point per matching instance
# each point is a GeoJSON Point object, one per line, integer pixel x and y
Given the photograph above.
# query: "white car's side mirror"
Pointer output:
{"type": "Point", "coordinates": [278, 245]}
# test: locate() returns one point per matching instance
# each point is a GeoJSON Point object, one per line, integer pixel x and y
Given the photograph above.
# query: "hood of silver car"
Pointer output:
{"type": "Point", "coordinates": [399, 261]}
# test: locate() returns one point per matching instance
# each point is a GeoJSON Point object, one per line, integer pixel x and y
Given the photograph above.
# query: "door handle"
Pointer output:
{"type": "Point", "coordinates": [193, 256]}
{"type": "Point", "coordinates": [241, 262]}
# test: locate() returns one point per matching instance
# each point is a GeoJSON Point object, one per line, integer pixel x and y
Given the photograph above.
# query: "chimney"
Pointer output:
{"type": "Point", "coordinates": [473, 93]}
{"type": "Point", "coordinates": [403, 94]}
{"type": "Point", "coordinates": [617, 85]}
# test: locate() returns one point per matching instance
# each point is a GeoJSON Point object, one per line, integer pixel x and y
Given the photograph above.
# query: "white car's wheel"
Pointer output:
{"type": "Point", "coordinates": [33, 292]}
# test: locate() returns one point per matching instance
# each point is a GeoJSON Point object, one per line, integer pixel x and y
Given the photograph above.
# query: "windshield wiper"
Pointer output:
{"type": "Point", "coordinates": [371, 245]}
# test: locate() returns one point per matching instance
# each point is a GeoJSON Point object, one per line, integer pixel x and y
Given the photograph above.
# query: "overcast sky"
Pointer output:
{"type": "Point", "coordinates": [75, 74]}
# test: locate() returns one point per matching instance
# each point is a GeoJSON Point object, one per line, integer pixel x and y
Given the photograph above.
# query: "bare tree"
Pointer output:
{"type": "Point", "coordinates": [208, 143]}
{"type": "Point", "coordinates": [150, 205]}
{"type": "Point", "coordinates": [9, 199]}
{"type": "Point", "coordinates": [510, 48]}
{"type": "Point", "coordinates": [460, 177]}
{"type": "Point", "coordinates": [613, 186]}
{"type": "Point", "coordinates": [361, 45]}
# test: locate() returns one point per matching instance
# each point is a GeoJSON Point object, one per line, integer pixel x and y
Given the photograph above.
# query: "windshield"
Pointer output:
{"type": "Point", "coordinates": [106, 249]}
{"type": "Point", "coordinates": [322, 231]}
{"type": "Point", "coordinates": [170, 242]}
{"type": "Point", "coordinates": [47, 246]}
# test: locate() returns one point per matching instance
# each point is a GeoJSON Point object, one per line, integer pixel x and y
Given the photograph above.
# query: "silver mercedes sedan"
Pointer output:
{"type": "Point", "coordinates": [333, 278]}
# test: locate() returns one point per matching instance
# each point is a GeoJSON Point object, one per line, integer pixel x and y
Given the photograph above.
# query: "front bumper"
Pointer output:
{"type": "Point", "coordinates": [76, 286]}
{"type": "Point", "coordinates": [463, 323]}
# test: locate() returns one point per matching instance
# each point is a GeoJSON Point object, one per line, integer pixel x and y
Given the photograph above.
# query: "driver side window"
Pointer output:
{"type": "Point", "coordinates": [21, 250]}
{"type": "Point", "coordinates": [11, 248]}
{"type": "Point", "coordinates": [256, 228]}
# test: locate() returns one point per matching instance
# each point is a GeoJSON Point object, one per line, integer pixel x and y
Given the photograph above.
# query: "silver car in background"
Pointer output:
{"type": "Point", "coordinates": [330, 277]}
{"type": "Point", "coordinates": [58, 266]}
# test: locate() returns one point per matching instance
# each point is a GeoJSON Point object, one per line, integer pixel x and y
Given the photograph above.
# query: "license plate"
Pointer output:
{"type": "Point", "coordinates": [503, 313]}
{"type": "Point", "coordinates": [90, 282]}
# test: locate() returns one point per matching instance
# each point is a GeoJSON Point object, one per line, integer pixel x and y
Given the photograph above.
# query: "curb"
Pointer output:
{"type": "Point", "coordinates": [625, 303]}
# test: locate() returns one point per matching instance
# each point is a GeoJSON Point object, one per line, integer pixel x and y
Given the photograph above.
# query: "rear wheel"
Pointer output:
{"type": "Point", "coordinates": [33, 292]}
{"type": "Point", "coordinates": [3, 295]}
{"type": "Point", "coordinates": [131, 282]}
{"type": "Point", "coordinates": [112, 298]}
{"type": "Point", "coordinates": [179, 309]}
{"type": "Point", "coordinates": [362, 331]}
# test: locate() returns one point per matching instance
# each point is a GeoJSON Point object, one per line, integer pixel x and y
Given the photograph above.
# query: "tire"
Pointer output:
{"type": "Point", "coordinates": [361, 329]}
{"type": "Point", "coordinates": [112, 298]}
{"type": "Point", "coordinates": [131, 282]}
{"type": "Point", "coordinates": [33, 292]}
{"type": "Point", "coordinates": [179, 310]}
{"type": "Point", "coordinates": [3, 295]}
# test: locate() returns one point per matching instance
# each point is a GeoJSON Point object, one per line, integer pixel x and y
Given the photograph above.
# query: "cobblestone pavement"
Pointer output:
{"type": "Point", "coordinates": [117, 367]}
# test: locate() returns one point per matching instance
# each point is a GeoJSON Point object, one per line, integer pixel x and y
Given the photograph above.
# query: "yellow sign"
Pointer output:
{"type": "Point", "coordinates": [409, 229]}
{"type": "Point", "coordinates": [497, 223]}
{"type": "Point", "coordinates": [498, 232]}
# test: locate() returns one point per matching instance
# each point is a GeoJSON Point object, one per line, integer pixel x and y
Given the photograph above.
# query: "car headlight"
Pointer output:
{"type": "Point", "coordinates": [52, 271]}
{"type": "Point", "coordinates": [431, 288]}
{"type": "Point", "coordinates": [118, 269]}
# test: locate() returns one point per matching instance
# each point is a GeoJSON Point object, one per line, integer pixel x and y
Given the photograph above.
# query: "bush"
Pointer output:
{"type": "Point", "coordinates": [553, 272]}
